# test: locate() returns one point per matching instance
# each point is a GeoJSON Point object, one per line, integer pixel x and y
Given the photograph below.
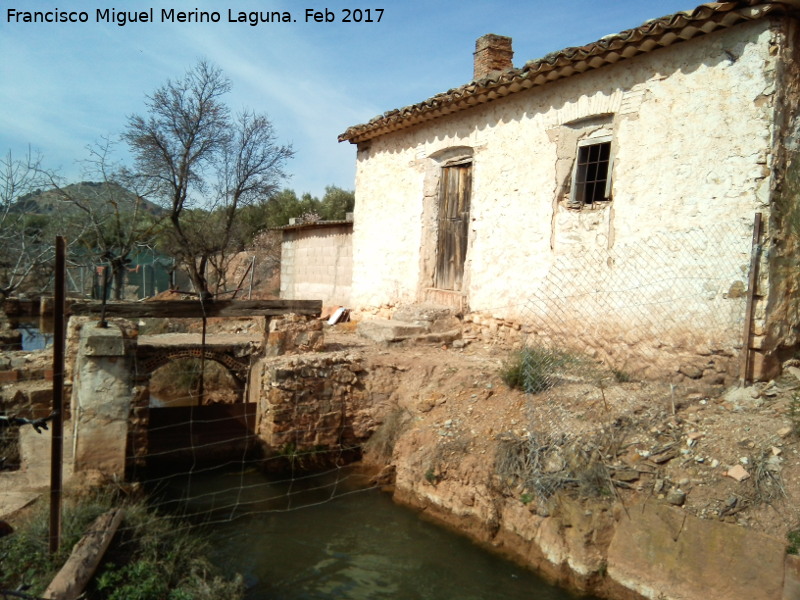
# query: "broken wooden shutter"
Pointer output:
{"type": "Point", "coordinates": [453, 225]}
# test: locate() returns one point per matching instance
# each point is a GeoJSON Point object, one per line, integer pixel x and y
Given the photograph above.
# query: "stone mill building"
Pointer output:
{"type": "Point", "coordinates": [602, 196]}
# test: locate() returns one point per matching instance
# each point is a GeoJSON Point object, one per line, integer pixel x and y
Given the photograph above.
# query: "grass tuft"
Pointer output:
{"type": "Point", "coordinates": [151, 557]}
{"type": "Point", "coordinates": [534, 369]}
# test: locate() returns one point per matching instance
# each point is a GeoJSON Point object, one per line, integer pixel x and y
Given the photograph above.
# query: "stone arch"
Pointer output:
{"type": "Point", "coordinates": [237, 368]}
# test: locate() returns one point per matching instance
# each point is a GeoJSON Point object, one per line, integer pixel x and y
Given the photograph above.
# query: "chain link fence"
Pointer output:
{"type": "Point", "coordinates": [615, 342]}
{"type": "Point", "coordinates": [666, 302]}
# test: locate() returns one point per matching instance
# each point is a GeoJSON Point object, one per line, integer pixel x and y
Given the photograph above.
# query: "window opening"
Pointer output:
{"type": "Point", "coordinates": [592, 173]}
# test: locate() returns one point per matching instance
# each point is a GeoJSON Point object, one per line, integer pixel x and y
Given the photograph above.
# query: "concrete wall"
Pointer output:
{"type": "Point", "coordinates": [692, 129]}
{"type": "Point", "coordinates": [317, 264]}
{"type": "Point", "coordinates": [102, 395]}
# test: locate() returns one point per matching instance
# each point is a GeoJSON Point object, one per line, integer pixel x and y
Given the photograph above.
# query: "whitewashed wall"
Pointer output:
{"type": "Point", "coordinates": [692, 132]}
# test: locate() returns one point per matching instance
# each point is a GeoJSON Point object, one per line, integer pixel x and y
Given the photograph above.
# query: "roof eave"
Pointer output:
{"type": "Point", "coordinates": [652, 35]}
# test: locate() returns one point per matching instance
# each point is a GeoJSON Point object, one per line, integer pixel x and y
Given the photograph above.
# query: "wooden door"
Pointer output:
{"type": "Point", "coordinates": [453, 226]}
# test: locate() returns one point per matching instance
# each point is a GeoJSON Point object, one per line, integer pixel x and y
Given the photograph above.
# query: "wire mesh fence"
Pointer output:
{"type": "Point", "coordinates": [600, 319]}
{"type": "Point", "coordinates": [666, 302]}
{"type": "Point", "coordinates": [200, 462]}
{"type": "Point", "coordinates": [614, 341]}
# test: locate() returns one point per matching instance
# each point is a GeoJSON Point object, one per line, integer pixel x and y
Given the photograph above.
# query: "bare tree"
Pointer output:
{"type": "Point", "coordinates": [205, 164]}
{"type": "Point", "coordinates": [25, 249]}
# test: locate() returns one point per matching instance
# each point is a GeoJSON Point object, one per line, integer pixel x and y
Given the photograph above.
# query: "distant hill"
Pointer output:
{"type": "Point", "coordinates": [97, 194]}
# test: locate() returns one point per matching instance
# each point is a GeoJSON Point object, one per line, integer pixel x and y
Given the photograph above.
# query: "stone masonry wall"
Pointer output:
{"type": "Point", "coordinates": [692, 128]}
{"type": "Point", "coordinates": [778, 336]}
{"type": "Point", "coordinates": [307, 402]}
{"type": "Point", "coordinates": [291, 334]}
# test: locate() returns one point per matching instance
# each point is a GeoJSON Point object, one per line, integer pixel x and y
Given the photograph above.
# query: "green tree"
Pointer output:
{"type": "Point", "coordinates": [336, 203]}
{"type": "Point", "coordinates": [285, 205]}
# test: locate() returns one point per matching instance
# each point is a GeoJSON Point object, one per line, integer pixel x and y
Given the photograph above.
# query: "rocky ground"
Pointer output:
{"type": "Point", "coordinates": [725, 454]}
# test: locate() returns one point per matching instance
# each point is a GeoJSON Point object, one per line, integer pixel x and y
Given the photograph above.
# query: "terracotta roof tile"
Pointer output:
{"type": "Point", "coordinates": [652, 35]}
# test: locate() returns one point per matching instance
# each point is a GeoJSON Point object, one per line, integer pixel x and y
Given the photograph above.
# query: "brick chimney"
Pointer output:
{"type": "Point", "coordinates": [493, 54]}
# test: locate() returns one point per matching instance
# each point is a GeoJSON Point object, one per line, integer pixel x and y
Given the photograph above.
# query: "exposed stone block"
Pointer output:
{"type": "Point", "coordinates": [657, 548]}
{"type": "Point", "coordinates": [381, 330]}
{"type": "Point", "coordinates": [9, 376]}
{"type": "Point", "coordinates": [98, 341]}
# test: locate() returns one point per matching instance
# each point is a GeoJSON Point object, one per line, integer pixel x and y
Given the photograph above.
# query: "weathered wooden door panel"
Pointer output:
{"type": "Point", "coordinates": [453, 226]}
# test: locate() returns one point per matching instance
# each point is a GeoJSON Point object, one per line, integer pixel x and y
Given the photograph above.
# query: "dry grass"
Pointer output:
{"type": "Point", "coordinates": [543, 465]}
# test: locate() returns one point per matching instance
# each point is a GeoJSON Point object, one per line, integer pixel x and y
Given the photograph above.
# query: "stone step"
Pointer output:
{"type": "Point", "coordinates": [422, 313]}
{"type": "Point", "coordinates": [385, 330]}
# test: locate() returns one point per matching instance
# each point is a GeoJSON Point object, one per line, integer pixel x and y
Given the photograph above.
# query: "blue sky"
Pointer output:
{"type": "Point", "coordinates": [64, 86]}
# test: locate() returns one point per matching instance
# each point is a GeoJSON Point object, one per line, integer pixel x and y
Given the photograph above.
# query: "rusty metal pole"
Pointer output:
{"type": "Point", "coordinates": [56, 455]}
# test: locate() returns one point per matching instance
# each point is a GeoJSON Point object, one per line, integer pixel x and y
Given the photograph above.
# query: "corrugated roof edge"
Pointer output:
{"type": "Point", "coordinates": [656, 33]}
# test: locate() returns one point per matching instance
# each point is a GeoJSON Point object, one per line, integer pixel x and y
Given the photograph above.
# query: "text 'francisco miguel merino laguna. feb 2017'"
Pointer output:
{"type": "Point", "coordinates": [171, 15]}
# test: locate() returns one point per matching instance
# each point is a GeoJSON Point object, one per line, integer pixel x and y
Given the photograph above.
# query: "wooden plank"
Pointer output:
{"type": "Point", "coordinates": [453, 226]}
{"type": "Point", "coordinates": [193, 309]}
{"type": "Point", "coordinates": [745, 376]}
{"type": "Point", "coordinates": [71, 580]}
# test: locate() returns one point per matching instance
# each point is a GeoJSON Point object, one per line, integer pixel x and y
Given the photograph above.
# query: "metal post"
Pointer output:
{"type": "Point", "coordinates": [56, 455]}
{"type": "Point", "coordinates": [103, 323]}
{"type": "Point", "coordinates": [252, 273]}
{"type": "Point", "coordinates": [202, 388]}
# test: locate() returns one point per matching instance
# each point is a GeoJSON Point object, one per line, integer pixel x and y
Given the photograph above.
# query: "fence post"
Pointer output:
{"type": "Point", "coordinates": [56, 451]}
{"type": "Point", "coordinates": [755, 255]}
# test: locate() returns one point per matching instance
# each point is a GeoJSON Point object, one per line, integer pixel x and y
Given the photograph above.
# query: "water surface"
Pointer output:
{"type": "Point", "coordinates": [323, 538]}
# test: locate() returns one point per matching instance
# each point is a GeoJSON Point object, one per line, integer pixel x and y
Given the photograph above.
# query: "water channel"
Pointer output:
{"type": "Point", "coordinates": [326, 537]}
{"type": "Point", "coordinates": [330, 536]}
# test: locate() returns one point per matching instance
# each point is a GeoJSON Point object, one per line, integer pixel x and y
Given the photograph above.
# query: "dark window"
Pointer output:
{"type": "Point", "coordinates": [592, 174]}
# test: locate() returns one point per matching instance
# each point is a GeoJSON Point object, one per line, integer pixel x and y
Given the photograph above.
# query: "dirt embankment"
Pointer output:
{"type": "Point", "coordinates": [624, 489]}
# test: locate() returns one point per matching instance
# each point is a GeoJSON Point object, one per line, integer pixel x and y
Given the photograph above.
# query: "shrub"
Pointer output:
{"type": "Point", "coordinates": [533, 369]}
{"type": "Point", "coordinates": [543, 465]}
{"type": "Point", "coordinates": [151, 556]}
{"type": "Point", "coordinates": [794, 541]}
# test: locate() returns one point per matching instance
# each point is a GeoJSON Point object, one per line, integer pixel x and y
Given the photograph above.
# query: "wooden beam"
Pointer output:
{"type": "Point", "coordinates": [71, 580]}
{"type": "Point", "coordinates": [193, 309]}
{"type": "Point", "coordinates": [745, 377]}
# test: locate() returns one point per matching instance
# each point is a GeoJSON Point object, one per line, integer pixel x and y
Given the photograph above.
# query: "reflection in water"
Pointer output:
{"type": "Point", "coordinates": [325, 538]}
{"type": "Point", "coordinates": [37, 334]}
